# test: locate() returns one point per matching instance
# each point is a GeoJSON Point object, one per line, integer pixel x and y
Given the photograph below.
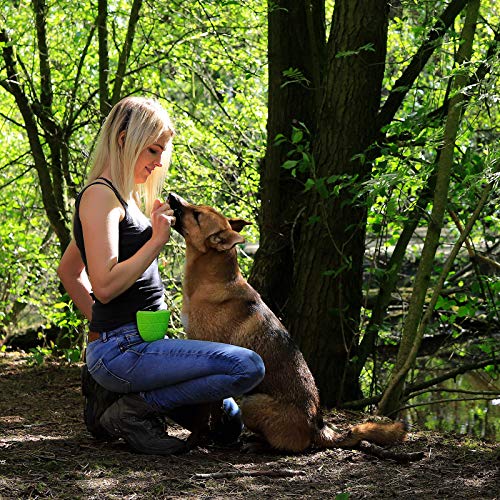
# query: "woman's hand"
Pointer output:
{"type": "Point", "coordinates": [71, 271]}
{"type": "Point", "coordinates": [162, 219]}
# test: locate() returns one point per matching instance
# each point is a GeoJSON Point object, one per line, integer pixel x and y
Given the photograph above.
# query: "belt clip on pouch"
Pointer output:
{"type": "Point", "coordinates": [153, 325]}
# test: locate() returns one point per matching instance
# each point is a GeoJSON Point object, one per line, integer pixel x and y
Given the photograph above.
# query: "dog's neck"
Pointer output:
{"type": "Point", "coordinates": [210, 267]}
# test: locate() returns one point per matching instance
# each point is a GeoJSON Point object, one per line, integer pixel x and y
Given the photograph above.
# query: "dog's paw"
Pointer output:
{"type": "Point", "coordinates": [252, 448]}
{"type": "Point", "coordinates": [256, 445]}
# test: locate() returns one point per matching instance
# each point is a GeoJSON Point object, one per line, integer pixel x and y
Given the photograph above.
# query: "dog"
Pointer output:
{"type": "Point", "coordinates": [220, 306]}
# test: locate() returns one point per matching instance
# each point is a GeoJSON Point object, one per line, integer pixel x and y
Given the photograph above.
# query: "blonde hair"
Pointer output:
{"type": "Point", "coordinates": [132, 125]}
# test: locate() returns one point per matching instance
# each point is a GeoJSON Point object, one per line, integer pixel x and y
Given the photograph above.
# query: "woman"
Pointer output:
{"type": "Point", "coordinates": [110, 271]}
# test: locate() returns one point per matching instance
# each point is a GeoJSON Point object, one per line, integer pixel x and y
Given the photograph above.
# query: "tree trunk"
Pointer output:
{"type": "Point", "coordinates": [326, 299]}
{"type": "Point", "coordinates": [296, 32]}
{"type": "Point", "coordinates": [412, 334]}
{"type": "Point", "coordinates": [51, 204]}
{"type": "Point", "coordinates": [102, 36]}
{"type": "Point", "coordinates": [123, 59]}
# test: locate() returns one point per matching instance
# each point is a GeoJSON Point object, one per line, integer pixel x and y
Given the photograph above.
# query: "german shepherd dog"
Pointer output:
{"type": "Point", "coordinates": [220, 306]}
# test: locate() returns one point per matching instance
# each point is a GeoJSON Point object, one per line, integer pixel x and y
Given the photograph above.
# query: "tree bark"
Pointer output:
{"type": "Point", "coordinates": [327, 295]}
{"type": "Point", "coordinates": [102, 36]}
{"type": "Point", "coordinates": [296, 40]}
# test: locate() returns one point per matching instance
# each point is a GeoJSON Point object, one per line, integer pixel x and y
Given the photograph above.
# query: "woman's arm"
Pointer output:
{"type": "Point", "coordinates": [71, 272]}
{"type": "Point", "coordinates": [100, 213]}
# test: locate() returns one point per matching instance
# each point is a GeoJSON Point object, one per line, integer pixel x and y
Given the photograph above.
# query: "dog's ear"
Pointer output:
{"type": "Point", "coordinates": [225, 240]}
{"type": "Point", "coordinates": [238, 224]}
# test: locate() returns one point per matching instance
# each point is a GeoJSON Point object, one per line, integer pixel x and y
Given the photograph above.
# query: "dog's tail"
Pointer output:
{"type": "Point", "coordinates": [378, 433]}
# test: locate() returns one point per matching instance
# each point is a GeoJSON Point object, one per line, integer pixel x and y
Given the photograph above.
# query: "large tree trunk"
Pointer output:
{"type": "Point", "coordinates": [326, 299]}
{"type": "Point", "coordinates": [296, 33]}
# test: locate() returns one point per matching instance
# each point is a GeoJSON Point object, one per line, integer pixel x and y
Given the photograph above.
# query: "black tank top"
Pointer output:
{"type": "Point", "coordinates": [147, 293]}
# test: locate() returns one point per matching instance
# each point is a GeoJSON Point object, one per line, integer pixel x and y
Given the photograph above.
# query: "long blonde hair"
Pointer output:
{"type": "Point", "coordinates": [143, 121]}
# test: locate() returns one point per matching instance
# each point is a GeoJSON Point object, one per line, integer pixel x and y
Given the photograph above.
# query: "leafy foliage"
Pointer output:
{"type": "Point", "coordinates": [186, 58]}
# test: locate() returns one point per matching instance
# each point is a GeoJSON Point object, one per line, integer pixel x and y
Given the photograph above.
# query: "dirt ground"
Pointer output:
{"type": "Point", "coordinates": [46, 452]}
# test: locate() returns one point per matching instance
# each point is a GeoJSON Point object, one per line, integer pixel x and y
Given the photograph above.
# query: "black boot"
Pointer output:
{"type": "Point", "coordinates": [97, 401]}
{"type": "Point", "coordinates": [134, 420]}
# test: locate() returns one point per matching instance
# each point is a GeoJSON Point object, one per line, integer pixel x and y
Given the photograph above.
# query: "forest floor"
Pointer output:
{"type": "Point", "coordinates": [46, 452]}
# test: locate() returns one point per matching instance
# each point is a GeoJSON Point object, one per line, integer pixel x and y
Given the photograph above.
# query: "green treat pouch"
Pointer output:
{"type": "Point", "coordinates": [153, 325]}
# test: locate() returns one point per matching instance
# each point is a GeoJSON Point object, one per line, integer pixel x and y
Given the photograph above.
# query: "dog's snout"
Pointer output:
{"type": "Point", "coordinates": [173, 200]}
{"type": "Point", "coordinates": [176, 204]}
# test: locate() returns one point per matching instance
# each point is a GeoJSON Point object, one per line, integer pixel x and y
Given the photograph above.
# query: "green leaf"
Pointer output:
{"type": "Point", "coordinates": [280, 139]}
{"type": "Point", "coordinates": [289, 164]}
{"type": "Point", "coordinates": [297, 136]}
{"type": "Point", "coordinates": [314, 219]}
{"type": "Point", "coordinates": [342, 496]}
{"type": "Point", "coordinates": [322, 189]}
{"type": "Point", "coordinates": [309, 184]}
{"type": "Point", "coordinates": [464, 311]}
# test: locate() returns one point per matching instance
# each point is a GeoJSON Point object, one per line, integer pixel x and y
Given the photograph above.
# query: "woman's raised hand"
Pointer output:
{"type": "Point", "coordinates": [162, 219]}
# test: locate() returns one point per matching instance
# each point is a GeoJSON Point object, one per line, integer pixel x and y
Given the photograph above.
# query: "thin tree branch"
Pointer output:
{"type": "Point", "coordinates": [474, 257]}
{"type": "Point", "coordinates": [410, 389]}
{"type": "Point", "coordinates": [390, 277]}
{"type": "Point", "coordinates": [70, 107]}
{"type": "Point", "coordinates": [479, 75]}
{"type": "Point", "coordinates": [102, 30]}
{"type": "Point", "coordinates": [22, 174]}
{"type": "Point", "coordinates": [440, 401]}
{"type": "Point", "coordinates": [125, 52]}
{"type": "Point", "coordinates": [13, 86]}
{"type": "Point", "coordinates": [451, 374]}
{"type": "Point", "coordinates": [10, 119]}
{"type": "Point", "coordinates": [40, 10]}
{"type": "Point", "coordinates": [14, 161]}
{"type": "Point", "coordinates": [418, 62]}
{"type": "Point", "coordinates": [457, 391]}
{"type": "Point", "coordinates": [250, 473]}
{"type": "Point", "coordinates": [389, 280]}
{"type": "Point", "coordinates": [439, 286]}
{"type": "Point", "coordinates": [233, 60]}
{"type": "Point", "coordinates": [400, 457]}
{"type": "Point", "coordinates": [43, 110]}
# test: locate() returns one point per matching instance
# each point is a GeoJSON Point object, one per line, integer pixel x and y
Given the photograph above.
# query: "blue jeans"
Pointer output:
{"type": "Point", "coordinates": [170, 373]}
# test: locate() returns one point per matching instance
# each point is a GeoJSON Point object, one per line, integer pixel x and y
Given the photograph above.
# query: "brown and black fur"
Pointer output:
{"type": "Point", "coordinates": [220, 306]}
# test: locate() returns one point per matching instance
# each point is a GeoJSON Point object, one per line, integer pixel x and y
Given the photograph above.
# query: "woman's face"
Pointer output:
{"type": "Point", "coordinates": [149, 159]}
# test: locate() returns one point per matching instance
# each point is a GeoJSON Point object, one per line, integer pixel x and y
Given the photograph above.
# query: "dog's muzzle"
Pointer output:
{"type": "Point", "coordinates": [176, 204]}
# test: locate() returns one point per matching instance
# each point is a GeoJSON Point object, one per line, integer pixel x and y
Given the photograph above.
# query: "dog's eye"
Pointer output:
{"type": "Point", "coordinates": [196, 216]}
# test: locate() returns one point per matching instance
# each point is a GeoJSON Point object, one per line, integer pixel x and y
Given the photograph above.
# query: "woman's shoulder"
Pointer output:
{"type": "Point", "coordinates": [99, 196]}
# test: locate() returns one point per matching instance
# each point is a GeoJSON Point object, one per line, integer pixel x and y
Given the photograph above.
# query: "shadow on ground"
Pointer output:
{"type": "Point", "coordinates": [45, 452]}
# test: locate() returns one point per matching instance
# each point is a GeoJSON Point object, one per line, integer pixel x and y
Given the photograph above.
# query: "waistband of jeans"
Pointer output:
{"type": "Point", "coordinates": [127, 328]}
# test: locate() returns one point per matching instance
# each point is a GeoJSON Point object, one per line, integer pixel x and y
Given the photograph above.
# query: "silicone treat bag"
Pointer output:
{"type": "Point", "coordinates": [153, 325]}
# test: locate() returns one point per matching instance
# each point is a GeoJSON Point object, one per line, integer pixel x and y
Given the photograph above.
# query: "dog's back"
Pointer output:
{"type": "Point", "coordinates": [288, 376]}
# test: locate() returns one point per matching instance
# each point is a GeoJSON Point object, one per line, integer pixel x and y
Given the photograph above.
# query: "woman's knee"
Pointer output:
{"type": "Point", "coordinates": [253, 370]}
